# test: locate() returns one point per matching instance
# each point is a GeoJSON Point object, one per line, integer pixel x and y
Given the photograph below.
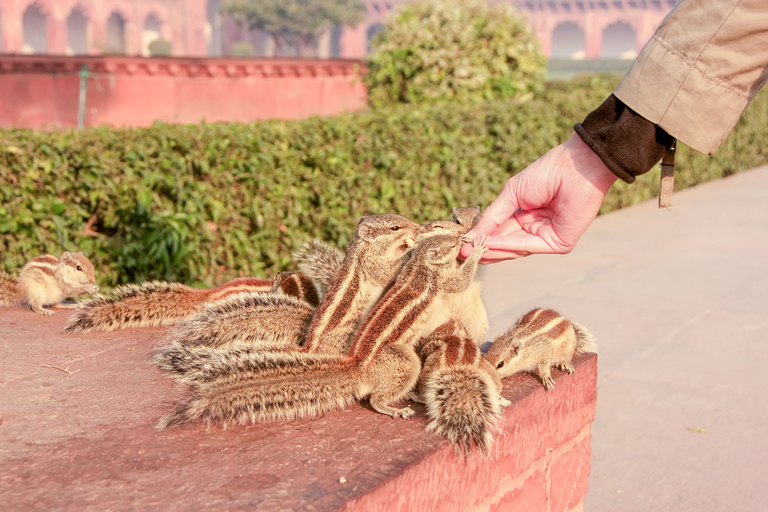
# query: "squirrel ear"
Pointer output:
{"type": "Point", "coordinates": [364, 231]}
{"type": "Point", "coordinates": [362, 220]}
{"type": "Point", "coordinates": [66, 256]}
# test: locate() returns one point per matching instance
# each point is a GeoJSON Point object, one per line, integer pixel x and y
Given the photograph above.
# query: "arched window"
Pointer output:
{"type": "Point", "coordinates": [619, 42]}
{"type": "Point", "coordinates": [151, 33]}
{"type": "Point", "coordinates": [213, 27]}
{"type": "Point", "coordinates": [115, 34]}
{"type": "Point", "coordinates": [77, 32]}
{"type": "Point", "coordinates": [372, 31]}
{"type": "Point", "coordinates": [35, 30]}
{"type": "Point", "coordinates": [567, 42]}
{"type": "Point", "coordinates": [335, 46]}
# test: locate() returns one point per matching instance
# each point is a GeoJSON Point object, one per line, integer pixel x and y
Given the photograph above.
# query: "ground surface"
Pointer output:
{"type": "Point", "coordinates": [678, 302]}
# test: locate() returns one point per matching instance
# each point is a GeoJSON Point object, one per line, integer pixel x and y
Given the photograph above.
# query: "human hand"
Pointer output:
{"type": "Point", "coordinates": [547, 207]}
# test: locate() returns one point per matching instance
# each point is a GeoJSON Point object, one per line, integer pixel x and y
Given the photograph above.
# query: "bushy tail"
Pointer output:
{"type": "Point", "coordinates": [585, 342]}
{"type": "Point", "coordinates": [150, 304]}
{"type": "Point", "coordinates": [246, 319]}
{"type": "Point", "coordinates": [9, 293]}
{"type": "Point", "coordinates": [200, 364]}
{"type": "Point", "coordinates": [464, 406]}
{"type": "Point", "coordinates": [319, 261]}
{"type": "Point", "coordinates": [279, 387]}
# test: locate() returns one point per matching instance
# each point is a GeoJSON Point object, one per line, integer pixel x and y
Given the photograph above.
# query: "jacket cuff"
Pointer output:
{"type": "Point", "coordinates": [626, 142]}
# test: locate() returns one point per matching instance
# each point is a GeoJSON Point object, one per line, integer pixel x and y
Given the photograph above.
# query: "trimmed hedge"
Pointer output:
{"type": "Point", "coordinates": [206, 203]}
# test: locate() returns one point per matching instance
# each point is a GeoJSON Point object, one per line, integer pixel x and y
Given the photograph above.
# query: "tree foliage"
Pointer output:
{"type": "Point", "coordinates": [295, 21]}
{"type": "Point", "coordinates": [454, 50]}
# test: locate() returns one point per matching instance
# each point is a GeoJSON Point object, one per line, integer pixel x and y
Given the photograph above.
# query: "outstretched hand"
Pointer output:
{"type": "Point", "coordinates": [547, 207]}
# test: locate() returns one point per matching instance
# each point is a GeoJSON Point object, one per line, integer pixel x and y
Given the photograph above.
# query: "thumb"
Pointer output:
{"type": "Point", "coordinates": [499, 211]}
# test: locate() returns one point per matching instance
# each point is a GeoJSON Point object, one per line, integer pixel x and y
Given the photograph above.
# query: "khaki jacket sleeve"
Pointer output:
{"type": "Point", "coordinates": [701, 69]}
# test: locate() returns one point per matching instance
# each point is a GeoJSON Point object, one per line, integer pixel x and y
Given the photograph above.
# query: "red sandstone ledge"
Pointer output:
{"type": "Point", "coordinates": [177, 66]}
{"type": "Point", "coordinates": [85, 441]}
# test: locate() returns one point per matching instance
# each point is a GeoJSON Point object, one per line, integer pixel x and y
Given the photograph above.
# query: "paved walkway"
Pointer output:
{"type": "Point", "coordinates": [678, 302]}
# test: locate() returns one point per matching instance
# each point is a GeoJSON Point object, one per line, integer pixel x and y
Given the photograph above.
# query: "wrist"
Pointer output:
{"type": "Point", "coordinates": [589, 165]}
{"type": "Point", "coordinates": [626, 142]}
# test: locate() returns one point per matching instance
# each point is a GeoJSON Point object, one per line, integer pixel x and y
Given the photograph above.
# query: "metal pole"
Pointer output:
{"type": "Point", "coordinates": [81, 101]}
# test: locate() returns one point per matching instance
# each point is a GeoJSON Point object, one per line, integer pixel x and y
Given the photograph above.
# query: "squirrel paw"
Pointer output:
{"type": "Point", "coordinates": [548, 382]}
{"type": "Point", "coordinates": [42, 311]}
{"type": "Point", "coordinates": [565, 367]}
{"type": "Point", "coordinates": [405, 412]}
{"type": "Point", "coordinates": [503, 402]}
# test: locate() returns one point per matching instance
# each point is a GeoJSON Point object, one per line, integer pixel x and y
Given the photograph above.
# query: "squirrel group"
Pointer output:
{"type": "Point", "coordinates": [396, 315]}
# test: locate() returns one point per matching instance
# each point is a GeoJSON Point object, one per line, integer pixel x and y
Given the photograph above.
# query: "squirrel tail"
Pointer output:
{"type": "Point", "coordinates": [277, 386]}
{"type": "Point", "coordinates": [464, 406]}
{"type": "Point", "coordinates": [233, 325]}
{"type": "Point", "coordinates": [319, 261]}
{"type": "Point", "coordinates": [9, 292]}
{"type": "Point", "coordinates": [585, 342]}
{"type": "Point", "coordinates": [150, 304]}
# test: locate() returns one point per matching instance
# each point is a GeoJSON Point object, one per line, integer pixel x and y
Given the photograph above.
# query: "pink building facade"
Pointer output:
{"type": "Point", "coordinates": [196, 28]}
{"type": "Point", "coordinates": [80, 27]}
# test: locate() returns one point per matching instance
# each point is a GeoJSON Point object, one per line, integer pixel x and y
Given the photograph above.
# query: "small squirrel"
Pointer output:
{"type": "Point", "coordinates": [466, 307]}
{"type": "Point", "coordinates": [47, 280]}
{"type": "Point", "coordinates": [158, 303]}
{"type": "Point", "coordinates": [370, 263]}
{"type": "Point", "coordinates": [259, 385]}
{"type": "Point", "coordinates": [541, 339]}
{"type": "Point", "coordinates": [461, 389]}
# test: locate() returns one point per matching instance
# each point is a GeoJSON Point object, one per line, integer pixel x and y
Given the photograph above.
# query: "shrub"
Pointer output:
{"type": "Point", "coordinates": [241, 49]}
{"type": "Point", "coordinates": [160, 48]}
{"type": "Point", "coordinates": [460, 50]}
{"type": "Point", "coordinates": [206, 203]}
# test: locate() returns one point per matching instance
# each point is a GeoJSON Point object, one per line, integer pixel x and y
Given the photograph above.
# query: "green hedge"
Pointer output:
{"type": "Point", "coordinates": [205, 203]}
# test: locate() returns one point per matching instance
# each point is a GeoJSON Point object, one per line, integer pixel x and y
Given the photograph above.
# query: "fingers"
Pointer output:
{"type": "Point", "coordinates": [518, 245]}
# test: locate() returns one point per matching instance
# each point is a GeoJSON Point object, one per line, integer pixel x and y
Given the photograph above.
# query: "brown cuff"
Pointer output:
{"type": "Point", "coordinates": [626, 142]}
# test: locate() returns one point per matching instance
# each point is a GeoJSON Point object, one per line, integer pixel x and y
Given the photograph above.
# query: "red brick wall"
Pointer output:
{"type": "Point", "coordinates": [43, 91]}
{"type": "Point", "coordinates": [540, 462]}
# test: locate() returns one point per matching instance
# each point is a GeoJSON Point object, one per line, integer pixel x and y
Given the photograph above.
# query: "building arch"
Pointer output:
{"type": "Point", "coordinates": [335, 42]}
{"type": "Point", "coordinates": [150, 32]}
{"type": "Point", "coordinates": [373, 29]}
{"type": "Point", "coordinates": [78, 31]}
{"type": "Point", "coordinates": [568, 41]}
{"type": "Point", "coordinates": [35, 29]}
{"type": "Point", "coordinates": [116, 33]}
{"type": "Point", "coordinates": [619, 41]}
{"type": "Point", "coordinates": [213, 27]}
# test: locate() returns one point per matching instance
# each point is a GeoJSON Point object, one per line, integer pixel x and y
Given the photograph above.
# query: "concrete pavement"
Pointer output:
{"type": "Point", "coordinates": [678, 302]}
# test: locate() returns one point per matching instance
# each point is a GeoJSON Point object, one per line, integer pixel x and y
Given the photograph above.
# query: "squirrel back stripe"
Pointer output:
{"type": "Point", "coordinates": [49, 259]}
{"type": "Point", "coordinates": [41, 266]}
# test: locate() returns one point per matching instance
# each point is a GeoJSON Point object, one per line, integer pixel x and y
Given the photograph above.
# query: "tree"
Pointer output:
{"type": "Point", "coordinates": [298, 21]}
{"type": "Point", "coordinates": [462, 50]}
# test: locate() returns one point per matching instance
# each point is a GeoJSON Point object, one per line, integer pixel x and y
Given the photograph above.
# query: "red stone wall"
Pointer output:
{"type": "Point", "coordinates": [43, 91]}
{"type": "Point", "coordinates": [540, 462]}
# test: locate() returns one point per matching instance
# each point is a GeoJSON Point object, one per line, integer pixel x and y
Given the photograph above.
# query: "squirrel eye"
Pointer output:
{"type": "Point", "coordinates": [395, 228]}
{"type": "Point", "coordinates": [79, 267]}
{"type": "Point", "coordinates": [500, 364]}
